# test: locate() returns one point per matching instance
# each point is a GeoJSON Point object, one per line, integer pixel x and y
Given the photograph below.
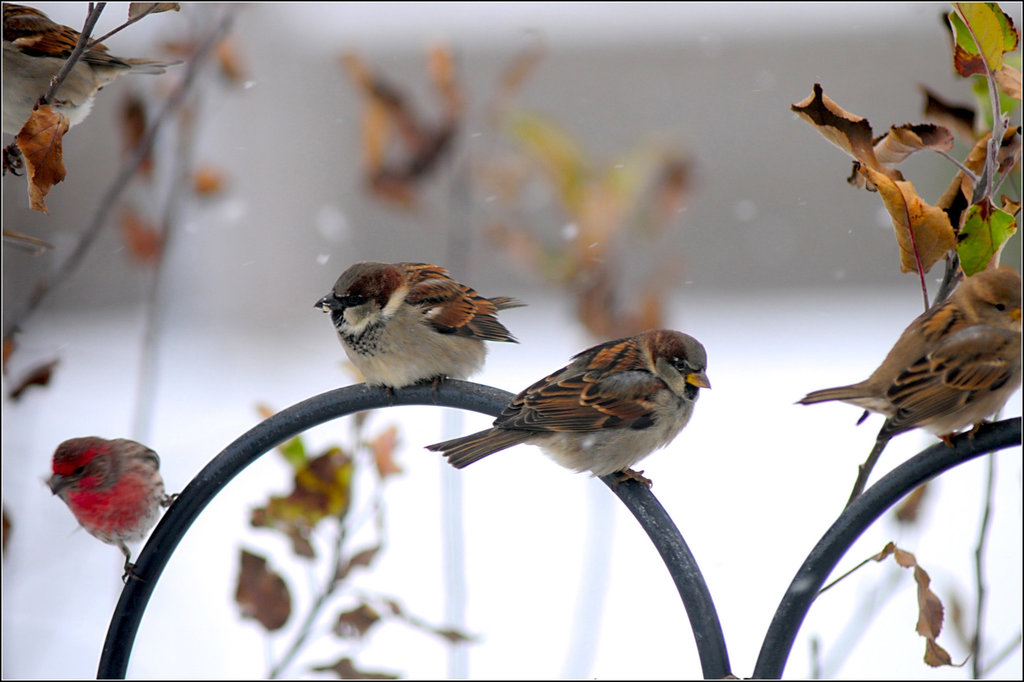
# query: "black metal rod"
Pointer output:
{"type": "Point", "coordinates": [340, 402]}
{"type": "Point", "coordinates": [700, 609]}
{"type": "Point", "coordinates": [855, 519]}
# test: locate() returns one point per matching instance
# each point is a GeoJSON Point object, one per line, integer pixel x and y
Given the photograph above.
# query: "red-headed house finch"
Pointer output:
{"type": "Point", "coordinates": [113, 487]}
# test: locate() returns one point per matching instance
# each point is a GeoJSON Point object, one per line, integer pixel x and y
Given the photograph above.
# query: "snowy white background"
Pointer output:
{"type": "Point", "coordinates": [791, 285]}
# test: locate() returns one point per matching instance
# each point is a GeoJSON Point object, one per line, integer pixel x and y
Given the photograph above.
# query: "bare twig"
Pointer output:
{"type": "Point", "coordinates": [959, 164]}
{"type": "Point", "coordinates": [95, 10]}
{"type": "Point", "coordinates": [126, 24]}
{"type": "Point", "coordinates": [336, 574]}
{"type": "Point", "coordinates": [110, 197]}
{"type": "Point", "coordinates": [1003, 654]}
{"type": "Point", "coordinates": [979, 570]}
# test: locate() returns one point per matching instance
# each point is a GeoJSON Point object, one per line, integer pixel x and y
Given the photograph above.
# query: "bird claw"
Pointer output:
{"type": "Point", "coordinates": [129, 572]}
{"type": "Point", "coordinates": [630, 474]}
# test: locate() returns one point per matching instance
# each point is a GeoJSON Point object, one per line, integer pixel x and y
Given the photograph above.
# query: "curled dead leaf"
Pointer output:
{"type": "Point", "coordinates": [957, 117]}
{"type": "Point", "coordinates": [849, 132]}
{"type": "Point", "coordinates": [37, 376]}
{"type": "Point", "coordinates": [902, 141]}
{"type": "Point", "coordinates": [141, 9]}
{"type": "Point", "coordinates": [41, 143]}
{"type": "Point", "coordinates": [930, 609]}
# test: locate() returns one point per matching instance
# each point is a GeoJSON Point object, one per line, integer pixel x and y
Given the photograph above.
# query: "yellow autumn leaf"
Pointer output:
{"type": "Point", "coordinates": [923, 232]}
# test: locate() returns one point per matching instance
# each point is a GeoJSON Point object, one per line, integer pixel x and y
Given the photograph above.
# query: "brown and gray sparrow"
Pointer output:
{"type": "Point", "coordinates": [613, 405]}
{"type": "Point", "coordinates": [953, 367]}
{"type": "Point", "coordinates": [35, 48]}
{"type": "Point", "coordinates": [403, 323]}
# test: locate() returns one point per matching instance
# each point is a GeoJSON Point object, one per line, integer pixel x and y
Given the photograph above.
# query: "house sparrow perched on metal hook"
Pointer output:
{"type": "Point", "coordinates": [613, 405]}
{"type": "Point", "coordinates": [35, 48]}
{"type": "Point", "coordinates": [404, 323]}
{"type": "Point", "coordinates": [113, 487]}
{"type": "Point", "coordinates": [954, 366]}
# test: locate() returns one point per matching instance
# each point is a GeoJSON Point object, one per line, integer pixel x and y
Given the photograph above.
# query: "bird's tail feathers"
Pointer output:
{"type": "Point", "coordinates": [853, 392]}
{"type": "Point", "coordinates": [461, 452]}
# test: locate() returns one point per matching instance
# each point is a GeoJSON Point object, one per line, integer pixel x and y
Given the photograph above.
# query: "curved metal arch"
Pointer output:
{"type": "Point", "coordinates": [325, 407]}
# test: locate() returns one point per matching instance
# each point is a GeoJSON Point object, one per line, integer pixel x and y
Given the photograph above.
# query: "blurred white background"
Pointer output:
{"type": "Point", "coordinates": [787, 275]}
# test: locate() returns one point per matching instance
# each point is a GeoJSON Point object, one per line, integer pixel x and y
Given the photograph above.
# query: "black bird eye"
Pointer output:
{"type": "Point", "coordinates": [1000, 307]}
{"type": "Point", "coordinates": [79, 471]}
{"type": "Point", "coordinates": [351, 300]}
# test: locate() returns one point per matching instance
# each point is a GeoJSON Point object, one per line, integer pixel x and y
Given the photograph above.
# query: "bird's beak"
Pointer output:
{"type": "Point", "coordinates": [698, 379]}
{"type": "Point", "coordinates": [325, 303]}
{"type": "Point", "coordinates": [58, 483]}
{"type": "Point", "coordinates": [1015, 314]}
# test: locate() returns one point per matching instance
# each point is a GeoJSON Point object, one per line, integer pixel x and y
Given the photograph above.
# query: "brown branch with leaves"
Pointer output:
{"type": "Point", "coordinates": [325, 487]}
{"type": "Point", "coordinates": [966, 228]}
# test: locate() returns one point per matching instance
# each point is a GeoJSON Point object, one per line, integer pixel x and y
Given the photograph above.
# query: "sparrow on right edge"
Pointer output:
{"type": "Point", "coordinates": [613, 405]}
{"type": "Point", "coordinates": [953, 367]}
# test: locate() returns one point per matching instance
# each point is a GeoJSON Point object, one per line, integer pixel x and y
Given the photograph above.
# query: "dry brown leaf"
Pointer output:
{"type": "Point", "coordinates": [357, 622]}
{"type": "Point", "coordinates": [139, 9]}
{"type": "Point", "coordinates": [208, 181]}
{"type": "Point", "coordinates": [346, 669]}
{"type": "Point", "coordinates": [261, 593]}
{"type": "Point", "coordinates": [133, 128]}
{"type": "Point", "coordinates": [1009, 81]}
{"type": "Point", "coordinates": [37, 376]}
{"type": "Point", "coordinates": [902, 141]}
{"type": "Point", "coordinates": [232, 65]}
{"type": "Point", "coordinates": [923, 231]}
{"type": "Point", "coordinates": [143, 239]}
{"type": "Point", "coordinates": [910, 508]}
{"type": "Point", "coordinates": [41, 145]}
{"type": "Point", "coordinates": [383, 448]}
{"type": "Point", "coordinates": [9, 346]}
{"type": "Point", "coordinates": [930, 610]}
{"type": "Point", "coordinates": [957, 117]}
{"type": "Point", "coordinates": [360, 559]}
{"type": "Point", "coordinates": [849, 132]}
{"type": "Point", "coordinates": [6, 530]}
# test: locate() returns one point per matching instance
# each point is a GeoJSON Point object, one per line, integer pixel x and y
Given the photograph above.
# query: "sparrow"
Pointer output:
{"type": "Point", "coordinates": [953, 367]}
{"type": "Point", "coordinates": [113, 488]}
{"type": "Point", "coordinates": [610, 407]}
{"type": "Point", "coordinates": [35, 48]}
{"type": "Point", "coordinates": [403, 323]}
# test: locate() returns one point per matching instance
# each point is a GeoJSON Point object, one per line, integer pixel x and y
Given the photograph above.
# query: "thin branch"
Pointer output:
{"type": "Point", "coordinates": [126, 24]}
{"type": "Point", "coordinates": [1003, 654]}
{"type": "Point", "coordinates": [326, 592]}
{"type": "Point", "coordinates": [76, 54]}
{"type": "Point", "coordinates": [117, 187]}
{"type": "Point", "coordinates": [983, 188]}
{"type": "Point", "coordinates": [959, 164]}
{"type": "Point", "coordinates": [979, 570]}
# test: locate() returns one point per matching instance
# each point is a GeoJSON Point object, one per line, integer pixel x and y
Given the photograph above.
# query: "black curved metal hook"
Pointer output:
{"type": "Point", "coordinates": [855, 519]}
{"type": "Point", "coordinates": [340, 402]}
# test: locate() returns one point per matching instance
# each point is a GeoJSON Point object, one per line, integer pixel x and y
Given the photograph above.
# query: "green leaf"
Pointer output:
{"type": "Point", "coordinates": [986, 228]}
{"type": "Point", "coordinates": [294, 451]}
{"type": "Point", "coordinates": [982, 34]}
{"type": "Point", "coordinates": [555, 150]}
